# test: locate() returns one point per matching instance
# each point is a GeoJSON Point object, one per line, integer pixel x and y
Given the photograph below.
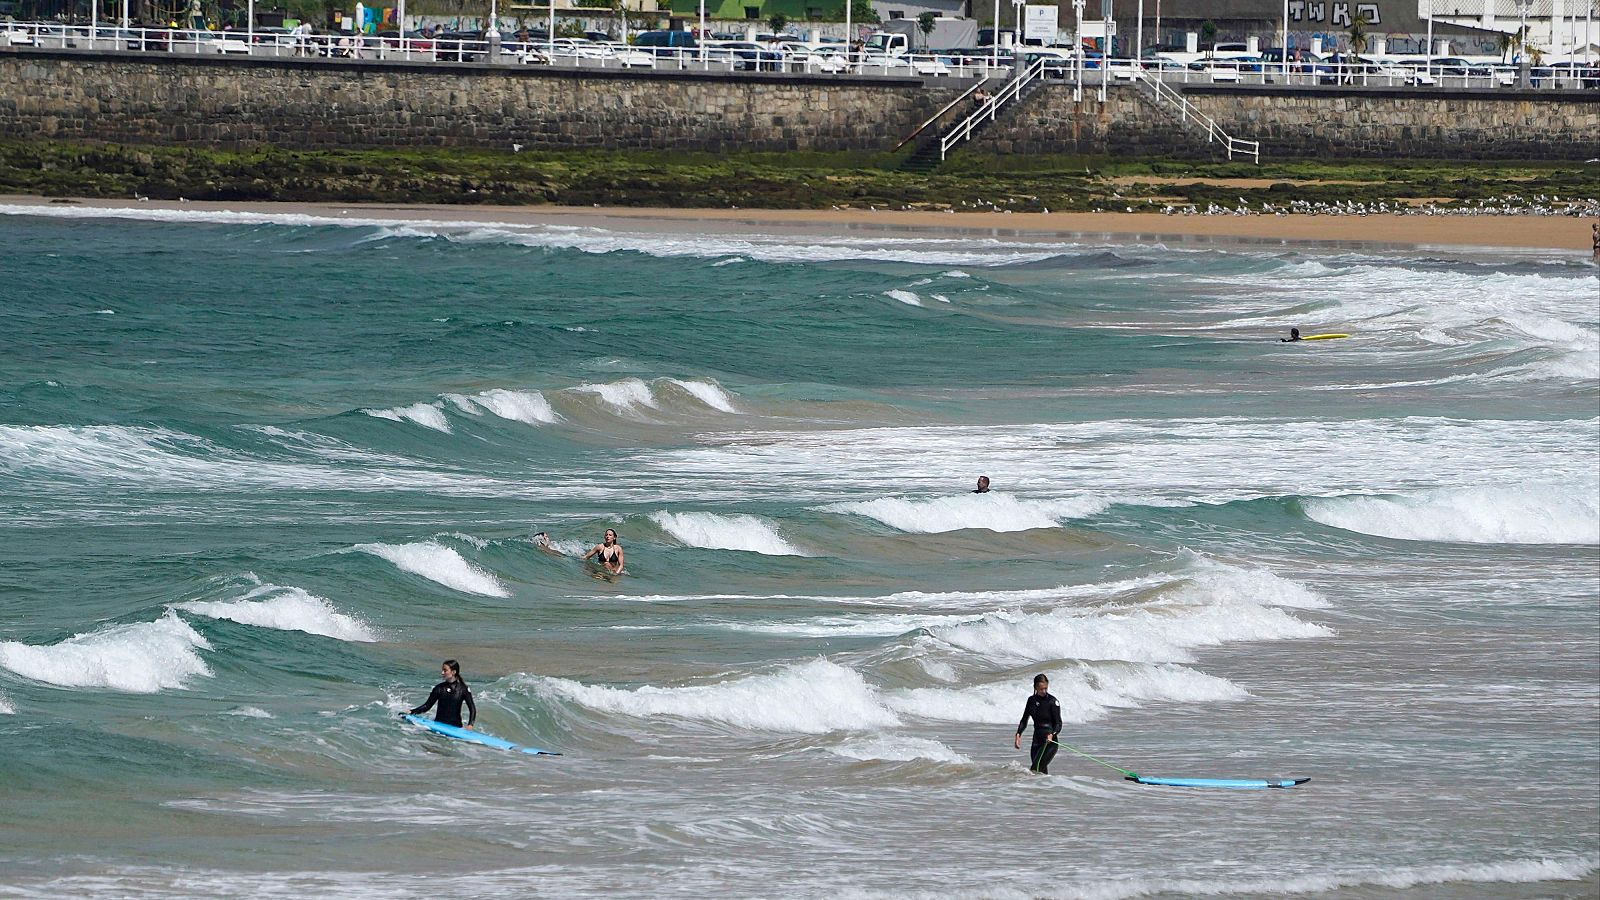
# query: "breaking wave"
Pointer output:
{"type": "Point", "coordinates": [140, 658]}
{"type": "Point", "coordinates": [717, 532]}
{"type": "Point", "coordinates": [439, 564]}
{"type": "Point", "coordinates": [993, 512]}
{"type": "Point", "coordinates": [286, 609]}
{"type": "Point", "coordinates": [1528, 514]}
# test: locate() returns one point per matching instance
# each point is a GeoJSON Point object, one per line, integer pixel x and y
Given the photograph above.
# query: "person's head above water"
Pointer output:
{"type": "Point", "coordinates": [1041, 683]}
{"type": "Point", "coordinates": [1294, 334]}
{"type": "Point", "coordinates": [451, 670]}
{"type": "Point", "coordinates": [983, 485]}
{"type": "Point", "coordinates": [611, 536]}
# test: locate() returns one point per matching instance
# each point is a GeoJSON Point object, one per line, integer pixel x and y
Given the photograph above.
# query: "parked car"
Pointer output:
{"type": "Point", "coordinates": [753, 57]}
{"type": "Point", "coordinates": [415, 41]}
{"type": "Point", "coordinates": [665, 43]}
{"type": "Point", "coordinates": [459, 46]}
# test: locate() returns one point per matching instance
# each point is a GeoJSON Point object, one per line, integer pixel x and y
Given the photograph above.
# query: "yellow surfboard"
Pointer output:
{"type": "Point", "coordinates": [1323, 337]}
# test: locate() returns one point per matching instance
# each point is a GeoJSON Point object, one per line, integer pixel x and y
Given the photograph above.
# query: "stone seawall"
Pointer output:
{"type": "Point", "coordinates": [1310, 122]}
{"type": "Point", "coordinates": [315, 104]}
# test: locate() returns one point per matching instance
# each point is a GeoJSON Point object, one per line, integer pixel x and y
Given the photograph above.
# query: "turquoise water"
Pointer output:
{"type": "Point", "coordinates": [260, 474]}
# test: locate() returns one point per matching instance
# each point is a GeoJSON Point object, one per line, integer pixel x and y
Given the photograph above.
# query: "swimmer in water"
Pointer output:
{"type": "Point", "coordinates": [983, 485]}
{"type": "Point", "coordinates": [450, 694]}
{"type": "Point", "coordinates": [608, 553]}
{"type": "Point", "coordinates": [1294, 335]}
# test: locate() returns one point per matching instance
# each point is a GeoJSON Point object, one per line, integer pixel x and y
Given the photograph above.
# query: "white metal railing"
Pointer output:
{"type": "Point", "coordinates": [989, 109]}
{"type": "Point", "coordinates": [471, 47]}
{"type": "Point", "coordinates": [1166, 94]}
{"type": "Point", "coordinates": [960, 98]}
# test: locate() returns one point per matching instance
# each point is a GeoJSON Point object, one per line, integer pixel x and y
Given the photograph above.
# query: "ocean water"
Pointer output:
{"type": "Point", "coordinates": [259, 474]}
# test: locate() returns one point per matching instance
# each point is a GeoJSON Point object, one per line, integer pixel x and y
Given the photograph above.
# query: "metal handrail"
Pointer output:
{"type": "Point", "coordinates": [1188, 110]}
{"type": "Point", "coordinates": [940, 114]}
{"type": "Point", "coordinates": [1011, 91]}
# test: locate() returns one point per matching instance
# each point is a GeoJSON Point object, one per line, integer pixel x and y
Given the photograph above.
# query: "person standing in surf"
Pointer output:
{"type": "Point", "coordinates": [608, 553]}
{"type": "Point", "coordinates": [449, 695]}
{"type": "Point", "coordinates": [1045, 712]}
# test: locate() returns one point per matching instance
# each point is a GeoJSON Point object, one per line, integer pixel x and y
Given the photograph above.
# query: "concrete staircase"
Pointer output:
{"type": "Point", "coordinates": [934, 144]}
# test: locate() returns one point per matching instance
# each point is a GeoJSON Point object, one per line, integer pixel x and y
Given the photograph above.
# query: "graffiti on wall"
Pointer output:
{"type": "Point", "coordinates": [1336, 13]}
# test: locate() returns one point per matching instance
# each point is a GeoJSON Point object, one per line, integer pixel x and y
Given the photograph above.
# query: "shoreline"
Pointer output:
{"type": "Point", "coordinates": [1522, 233]}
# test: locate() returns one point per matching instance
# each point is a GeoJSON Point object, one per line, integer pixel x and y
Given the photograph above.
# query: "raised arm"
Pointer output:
{"type": "Point", "coordinates": [433, 697]}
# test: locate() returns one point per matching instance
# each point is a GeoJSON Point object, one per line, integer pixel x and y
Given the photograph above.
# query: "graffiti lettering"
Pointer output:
{"type": "Point", "coordinates": [1318, 11]}
{"type": "Point", "coordinates": [1370, 10]}
{"type": "Point", "coordinates": [1341, 14]}
{"type": "Point", "coordinates": [1297, 9]}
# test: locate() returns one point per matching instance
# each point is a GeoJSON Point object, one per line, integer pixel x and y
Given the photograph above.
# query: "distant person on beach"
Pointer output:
{"type": "Point", "coordinates": [449, 694]}
{"type": "Point", "coordinates": [1045, 712]}
{"type": "Point", "coordinates": [983, 485]}
{"type": "Point", "coordinates": [608, 553]}
{"type": "Point", "coordinates": [1294, 335]}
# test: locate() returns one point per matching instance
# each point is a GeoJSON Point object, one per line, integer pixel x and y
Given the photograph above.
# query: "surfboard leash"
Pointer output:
{"type": "Point", "coordinates": [1127, 773]}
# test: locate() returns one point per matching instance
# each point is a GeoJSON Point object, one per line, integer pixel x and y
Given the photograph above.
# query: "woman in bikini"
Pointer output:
{"type": "Point", "coordinates": [608, 554]}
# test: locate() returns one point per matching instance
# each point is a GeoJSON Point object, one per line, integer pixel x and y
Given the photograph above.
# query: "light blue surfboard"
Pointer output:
{"type": "Point", "coordinates": [1241, 783]}
{"type": "Point", "coordinates": [476, 737]}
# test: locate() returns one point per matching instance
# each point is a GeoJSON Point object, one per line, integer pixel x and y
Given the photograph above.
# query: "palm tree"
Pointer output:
{"type": "Point", "coordinates": [1358, 34]}
{"type": "Point", "coordinates": [1505, 46]}
{"type": "Point", "coordinates": [925, 24]}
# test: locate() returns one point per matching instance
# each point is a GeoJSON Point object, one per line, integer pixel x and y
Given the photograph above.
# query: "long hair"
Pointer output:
{"type": "Point", "coordinates": [1037, 679]}
{"type": "Point", "coordinates": [455, 669]}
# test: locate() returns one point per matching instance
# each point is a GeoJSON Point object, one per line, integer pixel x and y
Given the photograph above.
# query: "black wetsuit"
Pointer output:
{"type": "Point", "coordinates": [450, 695]}
{"type": "Point", "coordinates": [1046, 714]}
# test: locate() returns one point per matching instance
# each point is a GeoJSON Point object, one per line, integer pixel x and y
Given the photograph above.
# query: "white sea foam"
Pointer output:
{"type": "Point", "coordinates": [1527, 514]}
{"type": "Point", "coordinates": [1213, 605]}
{"type": "Point", "coordinates": [718, 532]}
{"type": "Point", "coordinates": [1085, 694]}
{"type": "Point", "coordinates": [821, 696]}
{"type": "Point", "coordinates": [528, 407]}
{"type": "Point", "coordinates": [1521, 871]}
{"type": "Point", "coordinates": [709, 393]}
{"type": "Point", "coordinates": [906, 297]}
{"type": "Point", "coordinates": [286, 609]}
{"type": "Point", "coordinates": [440, 564]}
{"type": "Point", "coordinates": [249, 712]}
{"type": "Point", "coordinates": [625, 395]}
{"type": "Point", "coordinates": [6, 709]}
{"type": "Point", "coordinates": [881, 625]}
{"type": "Point", "coordinates": [428, 415]}
{"type": "Point", "coordinates": [810, 698]}
{"type": "Point", "coordinates": [896, 748]}
{"type": "Point", "coordinates": [960, 251]}
{"type": "Point", "coordinates": [992, 511]}
{"type": "Point", "coordinates": [140, 658]}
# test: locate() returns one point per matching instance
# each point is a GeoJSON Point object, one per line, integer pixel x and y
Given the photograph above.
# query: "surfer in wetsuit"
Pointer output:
{"type": "Point", "coordinates": [449, 694]}
{"type": "Point", "coordinates": [983, 485]}
{"type": "Point", "coordinates": [608, 553]}
{"type": "Point", "coordinates": [1046, 714]}
{"type": "Point", "coordinates": [1294, 335]}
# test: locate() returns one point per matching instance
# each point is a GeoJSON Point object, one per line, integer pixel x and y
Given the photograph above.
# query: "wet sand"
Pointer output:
{"type": "Point", "coordinates": [1517, 232]}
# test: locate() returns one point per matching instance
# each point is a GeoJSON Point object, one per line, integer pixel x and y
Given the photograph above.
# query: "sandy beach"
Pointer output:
{"type": "Point", "coordinates": [1512, 232]}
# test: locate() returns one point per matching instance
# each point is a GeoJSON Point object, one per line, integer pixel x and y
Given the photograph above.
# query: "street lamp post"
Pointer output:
{"type": "Point", "coordinates": [1283, 43]}
{"type": "Point", "coordinates": [1138, 38]}
{"type": "Point", "coordinates": [1077, 55]}
{"type": "Point", "coordinates": [1016, 9]}
{"type": "Point", "coordinates": [701, 40]}
{"type": "Point", "coordinates": [994, 38]}
{"type": "Point", "coordinates": [1430, 38]}
{"type": "Point", "coordinates": [1105, 57]}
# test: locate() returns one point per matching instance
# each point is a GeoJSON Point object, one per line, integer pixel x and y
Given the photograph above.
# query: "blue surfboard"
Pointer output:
{"type": "Point", "coordinates": [1240, 783]}
{"type": "Point", "coordinates": [476, 737]}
